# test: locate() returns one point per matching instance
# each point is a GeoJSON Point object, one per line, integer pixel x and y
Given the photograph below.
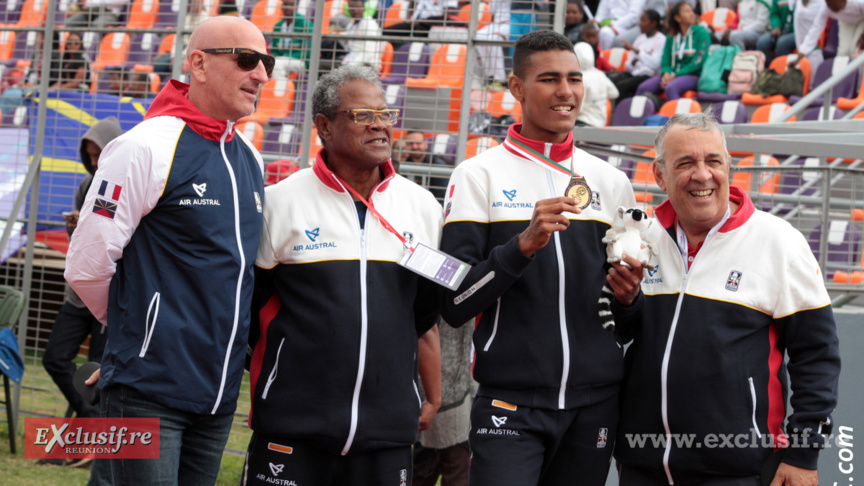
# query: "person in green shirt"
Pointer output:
{"type": "Point", "coordinates": [685, 50]}
{"type": "Point", "coordinates": [781, 38]}
{"type": "Point", "coordinates": [292, 54]}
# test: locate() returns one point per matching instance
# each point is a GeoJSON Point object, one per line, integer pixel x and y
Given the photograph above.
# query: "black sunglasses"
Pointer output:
{"type": "Point", "coordinates": [247, 59]}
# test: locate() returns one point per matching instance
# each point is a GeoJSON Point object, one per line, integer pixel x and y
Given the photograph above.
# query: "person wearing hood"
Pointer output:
{"type": "Point", "coordinates": [74, 321]}
{"type": "Point", "coordinates": [597, 89]}
{"type": "Point", "coordinates": [163, 256]}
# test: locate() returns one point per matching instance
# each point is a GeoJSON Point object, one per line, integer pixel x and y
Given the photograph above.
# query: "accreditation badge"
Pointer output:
{"type": "Point", "coordinates": [578, 189]}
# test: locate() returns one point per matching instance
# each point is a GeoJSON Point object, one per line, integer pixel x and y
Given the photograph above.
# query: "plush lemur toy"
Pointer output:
{"type": "Point", "coordinates": [624, 238]}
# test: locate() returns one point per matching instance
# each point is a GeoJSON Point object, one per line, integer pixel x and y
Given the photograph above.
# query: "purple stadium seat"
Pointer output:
{"type": "Point", "coordinates": [791, 181]}
{"type": "Point", "coordinates": [10, 11]}
{"type": "Point", "coordinates": [624, 164]}
{"type": "Point", "coordinates": [298, 113]}
{"type": "Point", "coordinates": [444, 146]}
{"type": "Point", "coordinates": [395, 96]}
{"type": "Point", "coordinates": [15, 117]}
{"type": "Point", "coordinates": [728, 112]}
{"type": "Point", "coordinates": [168, 14]}
{"type": "Point", "coordinates": [815, 114]}
{"type": "Point", "coordinates": [631, 112]}
{"type": "Point", "coordinates": [717, 97]}
{"type": "Point", "coordinates": [25, 46]}
{"type": "Point", "coordinates": [409, 61]}
{"type": "Point", "coordinates": [282, 138]}
{"type": "Point", "coordinates": [843, 245]}
{"type": "Point", "coordinates": [843, 89]}
{"type": "Point", "coordinates": [830, 49]}
{"type": "Point", "coordinates": [142, 48]}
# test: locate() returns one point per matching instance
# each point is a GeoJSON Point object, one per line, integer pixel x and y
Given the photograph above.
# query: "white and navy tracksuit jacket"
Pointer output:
{"type": "Point", "coordinates": [708, 348]}
{"type": "Point", "coordinates": [163, 254]}
{"type": "Point", "coordinates": [538, 338]}
{"type": "Point", "coordinates": [335, 347]}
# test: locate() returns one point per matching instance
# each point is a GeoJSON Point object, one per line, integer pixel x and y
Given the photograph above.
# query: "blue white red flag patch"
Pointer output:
{"type": "Point", "coordinates": [110, 190]}
{"type": "Point", "coordinates": [105, 208]}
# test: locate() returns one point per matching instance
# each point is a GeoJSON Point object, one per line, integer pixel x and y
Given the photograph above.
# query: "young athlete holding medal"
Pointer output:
{"type": "Point", "coordinates": [529, 216]}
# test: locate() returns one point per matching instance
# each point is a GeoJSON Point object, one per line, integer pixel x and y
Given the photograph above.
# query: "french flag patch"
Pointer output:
{"type": "Point", "coordinates": [108, 206]}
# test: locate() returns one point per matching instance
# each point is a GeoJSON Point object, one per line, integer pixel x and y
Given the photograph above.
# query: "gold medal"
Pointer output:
{"type": "Point", "coordinates": [578, 189]}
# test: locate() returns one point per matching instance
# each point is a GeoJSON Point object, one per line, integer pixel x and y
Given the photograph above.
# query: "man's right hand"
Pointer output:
{"type": "Point", "coordinates": [546, 220]}
{"type": "Point", "coordinates": [71, 221]}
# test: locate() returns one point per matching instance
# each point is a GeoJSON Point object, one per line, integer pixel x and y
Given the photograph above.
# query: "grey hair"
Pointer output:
{"type": "Point", "coordinates": [689, 121]}
{"type": "Point", "coordinates": [326, 99]}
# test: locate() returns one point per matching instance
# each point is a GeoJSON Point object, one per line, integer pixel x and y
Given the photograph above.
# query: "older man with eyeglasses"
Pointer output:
{"type": "Point", "coordinates": [336, 344]}
{"type": "Point", "coordinates": [163, 255]}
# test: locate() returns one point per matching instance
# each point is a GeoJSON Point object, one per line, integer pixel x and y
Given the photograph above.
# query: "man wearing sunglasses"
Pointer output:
{"type": "Point", "coordinates": [163, 255]}
{"type": "Point", "coordinates": [332, 372]}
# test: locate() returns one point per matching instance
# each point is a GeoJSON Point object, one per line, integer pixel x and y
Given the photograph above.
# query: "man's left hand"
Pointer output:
{"type": "Point", "coordinates": [625, 281]}
{"type": "Point", "coordinates": [788, 475]}
{"type": "Point", "coordinates": [427, 414]}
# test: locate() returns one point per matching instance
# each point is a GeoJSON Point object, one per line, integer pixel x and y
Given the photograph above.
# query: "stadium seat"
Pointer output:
{"type": "Point", "coordinates": [792, 181]}
{"type": "Point", "coordinates": [254, 131]}
{"type": "Point", "coordinates": [503, 103]}
{"type": "Point", "coordinates": [729, 112]}
{"type": "Point", "coordinates": [719, 19]}
{"type": "Point", "coordinates": [624, 164]}
{"type": "Point", "coordinates": [266, 14]}
{"type": "Point", "coordinates": [7, 45]}
{"type": "Point", "coordinates": [643, 174]}
{"type": "Point", "coordinates": [617, 57]}
{"type": "Point", "coordinates": [815, 114]}
{"type": "Point", "coordinates": [386, 60]}
{"type": "Point", "coordinates": [332, 8]}
{"type": "Point", "coordinates": [142, 49]}
{"type": "Point", "coordinates": [779, 64]}
{"type": "Point", "coordinates": [479, 145]}
{"type": "Point", "coordinates": [745, 179]}
{"type": "Point", "coordinates": [631, 112]}
{"type": "Point", "coordinates": [444, 146]}
{"type": "Point", "coordinates": [168, 14]}
{"type": "Point", "coordinates": [17, 117]}
{"type": "Point", "coordinates": [396, 14]}
{"type": "Point", "coordinates": [275, 101]}
{"type": "Point", "coordinates": [395, 96]}
{"type": "Point", "coordinates": [314, 146]}
{"type": "Point", "coordinates": [33, 14]}
{"type": "Point", "coordinates": [9, 12]}
{"type": "Point", "coordinates": [167, 43]}
{"type": "Point", "coordinates": [143, 14]}
{"type": "Point", "coordinates": [843, 244]}
{"type": "Point", "coordinates": [446, 69]}
{"type": "Point", "coordinates": [113, 51]}
{"type": "Point", "coordinates": [828, 68]}
{"type": "Point", "coordinates": [484, 18]}
{"type": "Point", "coordinates": [850, 103]}
{"type": "Point", "coordinates": [281, 137]}
{"type": "Point", "coordinates": [681, 105]}
{"type": "Point", "coordinates": [770, 113]}
{"type": "Point", "coordinates": [11, 307]}
{"type": "Point", "coordinates": [410, 60]}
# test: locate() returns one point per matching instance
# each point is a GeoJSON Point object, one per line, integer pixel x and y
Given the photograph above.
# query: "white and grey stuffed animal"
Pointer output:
{"type": "Point", "coordinates": [625, 238]}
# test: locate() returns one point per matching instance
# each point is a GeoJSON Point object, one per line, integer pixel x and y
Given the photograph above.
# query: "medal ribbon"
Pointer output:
{"type": "Point", "coordinates": [389, 227]}
{"type": "Point", "coordinates": [531, 154]}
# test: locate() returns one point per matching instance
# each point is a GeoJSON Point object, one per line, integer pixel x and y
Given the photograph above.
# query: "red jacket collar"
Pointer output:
{"type": "Point", "coordinates": [560, 151]}
{"type": "Point", "coordinates": [326, 176]}
{"type": "Point", "coordinates": [666, 213]}
{"type": "Point", "coordinates": [172, 101]}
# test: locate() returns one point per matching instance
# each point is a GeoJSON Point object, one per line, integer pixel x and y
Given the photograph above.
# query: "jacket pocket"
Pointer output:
{"type": "Point", "coordinates": [272, 377]}
{"type": "Point", "coordinates": [753, 401]}
{"type": "Point", "coordinates": [150, 323]}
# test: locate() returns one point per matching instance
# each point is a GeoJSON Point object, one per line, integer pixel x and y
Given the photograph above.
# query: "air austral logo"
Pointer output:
{"type": "Point", "coordinates": [510, 204]}
{"type": "Point", "coordinates": [313, 235]}
{"type": "Point", "coordinates": [653, 275]}
{"type": "Point", "coordinates": [199, 189]}
{"type": "Point", "coordinates": [102, 438]}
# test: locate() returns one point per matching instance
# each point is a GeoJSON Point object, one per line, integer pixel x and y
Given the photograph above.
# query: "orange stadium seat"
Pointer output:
{"type": "Point", "coordinates": [479, 145]}
{"type": "Point", "coordinates": [396, 14]}
{"type": "Point", "coordinates": [254, 131]}
{"type": "Point", "coordinates": [33, 13]}
{"type": "Point", "coordinates": [745, 181]}
{"type": "Point", "coordinates": [484, 19]}
{"type": "Point", "coordinates": [113, 51]}
{"type": "Point", "coordinates": [143, 14]}
{"type": "Point", "coordinates": [779, 64]}
{"type": "Point", "coordinates": [446, 69]}
{"type": "Point", "coordinates": [387, 60]}
{"type": "Point", "coordinates": [617, 57]}
{"type": "Point", "coordinates": [644, 174]}
{"type": "Point", "coordinates": [681, 105]}
{"type": "Point", "coordinates": [7, 45]}
{"type": "Point", "coordinates": [503, 103]}
{"type": "Point", "coordinates": [850, 103]}
{"type": "Point", "coordinates": [332, 8]}
{"type": "Point", "coordinates": [266, 14]}
{"type": "Point", "coordinates": [314, 146]}
{"type": "Point", "coordinates": [719, 19]}
{"type": "Point", "coordinates": [276, 101]}
{"type": "Point", "coordinates": [770, 113]}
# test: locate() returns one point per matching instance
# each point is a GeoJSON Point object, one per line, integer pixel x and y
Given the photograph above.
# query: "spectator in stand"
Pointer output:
{"type": "Point", "coordinates": [97, 14]}
{"type": "Point", "coordinates": [645, 56]}
{"type": "Point", "coordinates": [492, 57]}
{"type": "Point", "coordinates": [74, 66]}
{"type": "Point", "coordinates": [292, 54]}
{"type": "Point", "coordinates": [417, 152]}
{"type": "Point", "coordinates": [618, 21]}
{"type": "Point", "coordinates": [138, 86]}
{"type": "Point", "coordinates": [591, 35]}
{"type": "Point", "coordinates": [850, 23]}
{"type": "Point", "coordinates": [683, 54]}
{"type": "Point", "coordinates": [754, 19]}
{"type": "Point", "coordinates": [362, 51]}
{"type": "Point", "coordinates": [804, 17]}
{"type": "Point", "coordinates": [574, 20]}
{"type": "Point", "coordinates": [16, 86]}
{"type": "Point", "coordinates": [597, 89]}
{"type": "Point", "coordinates": [781, 39]}
{"type": "Point", "coordinates": [425, 14]}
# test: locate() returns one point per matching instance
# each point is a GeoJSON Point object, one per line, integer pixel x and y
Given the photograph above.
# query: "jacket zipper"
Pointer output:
{"type": "Point", "coordinates": [753, 399]}
{"type": "Point", "coordinates": [562, 308]}
{"type": "Point", "coordinates": [494, 326]}
{"type": "Point", "coordinates": [272, 377]}
{"type": "Point", "coordinates": [236, 322]}
{"type": "Point", "coordinates": [148, 330]}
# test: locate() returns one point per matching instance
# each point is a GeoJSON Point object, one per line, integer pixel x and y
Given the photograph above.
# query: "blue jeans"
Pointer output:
{"type": "Point", "coordinates": [190, 444]}
{"type": "Point", "coordinates": [784, 45]}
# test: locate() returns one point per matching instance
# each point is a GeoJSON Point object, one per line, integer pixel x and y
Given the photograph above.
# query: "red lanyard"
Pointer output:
{"type": "Point", "coordinates": [389, 227]}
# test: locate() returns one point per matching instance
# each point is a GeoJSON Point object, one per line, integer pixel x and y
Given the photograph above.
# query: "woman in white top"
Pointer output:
{"type": "Point", "coordinates": [643, 60]}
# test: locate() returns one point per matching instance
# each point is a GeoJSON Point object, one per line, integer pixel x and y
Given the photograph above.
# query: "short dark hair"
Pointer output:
{"type": "Point", "coordinates": [653, 16]}
{"type": "Point", "coordinates": [537, 41]}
